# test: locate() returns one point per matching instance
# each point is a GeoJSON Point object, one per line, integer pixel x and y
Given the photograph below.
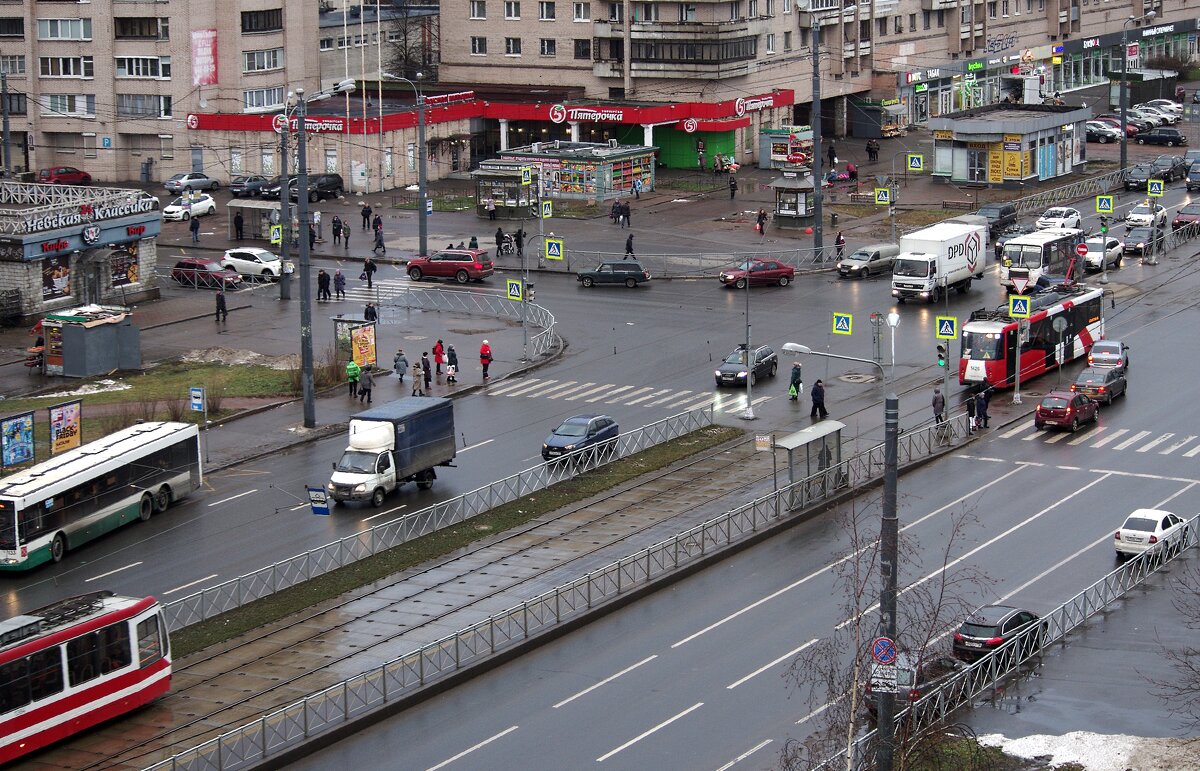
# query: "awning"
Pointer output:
{"type": "Point", "coordinates": [961, 136]}
{"type": "Point", "coordinates": [895, 109]}
{"type": "Point", "coordinates": [792, 183]}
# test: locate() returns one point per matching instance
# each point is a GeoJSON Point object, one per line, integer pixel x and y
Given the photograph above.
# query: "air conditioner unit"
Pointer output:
{"type": "Point", "coordinates": [613, 143]}
{"type": "Point", "coordinates": [536, 147]}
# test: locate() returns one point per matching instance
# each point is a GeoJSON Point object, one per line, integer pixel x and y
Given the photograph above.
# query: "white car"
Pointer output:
{"type": "Point", "coordinates": [1154, 117]}
{"type": "Point", "coordinates": [1059, 217]}
{"type": "Point", "coordinates": [1105, 248]}
{"type": "Point", "coordinates": [1147, 215]}
{"type": "Point", "coordinates": [252, 261]}
{"type": "Point", "coordinates": [1168, 116]}
{"type": "Point", "coordinates": [1164, 104]}
{"type": "Point", "coordinates": [1144, 528]}
{"type": "Point", "coordinates": [183, 209]}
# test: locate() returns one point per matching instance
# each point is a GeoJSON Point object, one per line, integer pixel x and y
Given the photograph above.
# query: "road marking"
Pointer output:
{"type": "Point", "coordinates": [589, 392]}
{"type": "Point", "coordinates": [668, 391]}
{"type": "Point", "coordinates": [517, 385]}
{"type": "Point", "coordinates": [745, 755]}
{"type": "Point", "coordinates": [985, 458]}
{"type": "Point", "coordinates": [193, 583]}
{"type": "Point", "coordinates": [667, 395]}
{"type": "Point", "coordinates": [742, 407]}
{"type": "Point", "coordinates": [1067, 468]}
{"type": "Point", "coordinates": [477, 444]}
{"type": "Point", "coordinates": [389, 511]}
{"type": "Point", "coordinates": [111, 572]}
{"type": "Point", "coordinates": [1013, 432]}
{"type": "Point", "coordinates": [767, 666]}
{"type": "Point", "coordinates": [1139, 436]}
{"type": "Point", "coordinates": [610, 394]}
{"type": "Point", "coordinates": [605, 681]}
{"type": "Point", "coordinates": [233, 498]}
{"type": "Point", "coordinates": [559, 387]}
{"type": "Point", "coordinates": [469, 750]}
{"type": "Point", "coordinates": [1110, 437]}
{"type": "Point", "coordinates": [1192, 452]}
{"type": "Point", "coordinates": [1089, 435]}
{"type": "Point", "coordinates": [695, 398]}
{"type": "Point", "coordinates": [536, 385]}
{"type": "Point", "coordinates": [572, 390]}
{"type": "Point", "coordinates": [1057, 437]}
{"type": "Point", "coordinates": [1151, 445]}
{"type": "Point", "coordinates": [301, 506]}
{"type": "Point", "coordinates": [653, 730]}
{"type": "Point", "coordinates": [1176, 446]}
{"type": "Point", "coordinates": [817, 711]}
{"type": "Point", "coordinates": [641, 390]}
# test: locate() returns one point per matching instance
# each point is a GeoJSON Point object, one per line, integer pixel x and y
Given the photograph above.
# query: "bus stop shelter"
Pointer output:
{"type": "Point", "coordinates": [816, 448]}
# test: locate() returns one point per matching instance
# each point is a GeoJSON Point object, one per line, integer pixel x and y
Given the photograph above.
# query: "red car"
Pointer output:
{"type": "Point", "coordinates": [201, 271]}
{"type": "Point", "coordinates": [759, 272]}
{"type": "Point", "coordinates": [64, 175]}
{"type": "Point", "coordinates": [1130, 128]}
{"type": "Point", "coordinates": [1188, 215]}
{"type": "Point", "coordinates": [462, 265]}
{"type": "Point", "coordinates": [1065, 410]}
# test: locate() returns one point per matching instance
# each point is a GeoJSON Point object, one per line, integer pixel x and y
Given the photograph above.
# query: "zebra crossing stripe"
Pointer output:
{"type": "Point", "coordinates": [632, 402]}
{"type": "Point", "coordinates": [539, 386]}
{"type": "Point", "coordinates": [1192, 452]}
{"type": "Point", "coordinates": [1176, 446]}
{"type": "Point", "coordinates": [572, 390]}
{"type": "Point", "coordinates": [1057, 437]}
{"type": "Point", "coordinates": [742, 407]}
{"type": "Point", "coordinates": [612, 393]}
{"type": "Point", "coordinates": [559, 387]}
{"type": "Point", "coordinates": [1019, 429]}
{"type": "Point", "coordinates": [1151, 445]}
{"type": "Point", "coordinates": [690, 400]}
{"type": "Point", "coordinates": [517, 385]}
{"type": "Point", "coordinates": [1036, 434]}
{"type": "Point", "coordinates": [669, 394]}
{"type": "Point", "coordinates": [1110, 437]}
{"type": "Point", "coordinates": [1090, 435]}
{"type": "Point", "coordinates": [641, 390]}
{"type": "Point", "coordinates": [1139, 436]}
{"type": "Point", "coordinates": [589, 392]}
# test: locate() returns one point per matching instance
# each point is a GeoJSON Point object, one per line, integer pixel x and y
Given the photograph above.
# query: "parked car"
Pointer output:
{"type": "Point", "coordinates": [1102, 132]}
{"type": "Point", "coordinates": [183, 208]}
{"type": "Point", "coordinates": [914, 678]}
{"type": "Point", "coordinates": [758, 272]}
{"type": "Point", "coordinates": [1189, 214]}
{"type": "Point", "coordinates": [63, 175]}
{"type": "Point", "coordinates": [1154, 119]}
{"type": "Point", "coordinates": [462, 265]}
{"type": "Point", "coordinates": [1109, 353]}
{"type": "Point", "coordinates": [1171, 137]}
{"type": "Point", "coordinates": [1129, 127]}
{"type": "Point", "coordinates": [1144, 528]}
{"type": "Point", "coordinates": [733, 370]}
{"type": "Point", "coordinates": [868, 260]}
{"type": "Point", "coordinates": [1064, 410]}
{"type": "Point", "coordinates": [1172, 167]}
{"type": "Point", "coordinates": [999, 216]}
{"type": "Point", "coordinates": [1012, 231]}
{"type": "Point", "coordinates": [1103, 251]}
{"type": "Point", "coordinates": [1101, 384]}
{"type": "Point", "coordinates": [320, 187]}
{"type": "Point", "coordinates": [252, 261]}
{"type": "Point", "coordinates": [627, 272]}
{"type": "Point", "coordinates": [1162, 104]}
{"type": "Point", "coordinates": [991, 626]}
{"type": "Point", "coordinates": [1138, 176]}
{"type": "Point", "coordinates": [1059, 217]}
{"type": "Point", "coordinates": [249, 185]}
{"type": "Point", "coordinates": [1193, 177]}
{"type": "Point", "coordinates": [192, 181]}
{"type": "Point", "coordinates": [204, 271]}
{"type": "Point", "coordinates": [1190, 157]}
{"type": "Point", "coordinates": [272, 186]}
{"type": "Point", "coordinates": [1147, 214]}
{"type": "Point", "coordinates": [1137, 124]}
{"type": "Point", "coordinates": [1141, 240]}
{"type": "Point", "coordinates": [578, 432]}
{"type": "Point", "coordinates": [1167, 117]}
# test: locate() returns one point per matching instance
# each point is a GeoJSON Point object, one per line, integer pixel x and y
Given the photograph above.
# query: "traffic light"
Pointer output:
{"type": "Point", "coordinates": [941, 353]}
{"type": "Point", "coordinates": [1104, 226]}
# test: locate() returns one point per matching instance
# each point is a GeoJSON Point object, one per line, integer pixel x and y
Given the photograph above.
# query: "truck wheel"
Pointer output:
{"type": "Point", "coordinates": [935, 295]}
{"type": "Point", "coordinates": [424, 484]}
{"type": "Point", "coordinates": [377, 497]}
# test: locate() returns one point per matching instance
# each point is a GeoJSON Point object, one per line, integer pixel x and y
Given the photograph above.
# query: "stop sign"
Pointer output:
{"type": "Point", "coordinates": [1081, 250]}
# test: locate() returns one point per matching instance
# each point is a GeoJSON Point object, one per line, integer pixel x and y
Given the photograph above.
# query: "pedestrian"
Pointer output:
{"type": "Point", "coordinates": [322, 285]}
{"type": "Point", "coordinates": [485, 358]}
{"type": "Point", "coordinates": [939, 406]}
{"type": "Point", "coordinates": [346, 237]}
{"type": "Point", "coordinates": [614, 213]}
{"type": "Point", "coordinates": [426, 370]}
{"type": "Point", "coordinates": [851, 172]}
{"type": "Point", "coordinates": [195, 228]}
{"type": "Point", "coordinates": [795, 382]}
{"type": "Point", "coordinates": [339, 284]}
{"type": "Point", "coordinates": [417, 390]}
{"type": "Point", "coordinates": [222, 311]}
{"type": "Point", "coordinates": [377, 223]}
{"type": "Point", "coordinates": [760, 221]}
{"type": "Point", "coordinates": [499, 240]}
{"type": "Point", "coordinates": [451, 365]}
{"type": "Point", "coordinates": [336, 226]}
{"type": "Point", "coordinates": [840, 243]}
{"type": "Point", "coordinates": [732, 186]}
{"type": "Point", "coordinates": [473, 243]}
{"type": "Point", "coordinates": [379, 244]}
{"type": "Point", "coordinates": [981, 410]}
{"type": "Point", "coordinates": [489, 205]}
{"type": "Point", "coordinates": [400, 364]}
{"type": "Point", "coordinates": [870, 152]}
{"type": "Point", "coordinates": [370, 313]}
{"type": "Point", "coordinates": [818, 401]}
{"type": "Point", "coordinates": [875, 149]}
{"type": "Point", "coordinates": [312, 237]}
{"type": "Point", "coordinates": [625, 215]}
{"type": "Point", "coordinates": [519, 239]}
{"type": "Point", "coordinates": [368, 271]}
{"type": "Point", "coordinates": [832, 155]}
{"type": "Point", "coordinates": [366, 215]}
{"type": "Point", "coordinates": [970, 405]}
{"type": "Point", "coordinates": [353, 372]}
{"type": "Point", "coordinates": [637, 189]}
{"type": "Point", "coordinates": [628, 247]}
{"type": "Point", "coordinates": [316, 218]}
{"type": "Point", "coordinates": [366, 381]}
{"type": "Point", "coordinates": [439, 357]}
{"type": "Point", "coordinates": [718, 164]}
{"type": "Point", "coordinates": [238, 223]}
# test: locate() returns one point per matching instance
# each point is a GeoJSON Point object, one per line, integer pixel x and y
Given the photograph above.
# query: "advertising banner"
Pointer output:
{"type": "Point", "coordinates": [56, 277]}
{"type": "Point", "coordinates": [204, 57]}
{"type": "Point", "coordinates": [362, 341]}
{"type": "Point", "coordinates": [66, 426]}
{"type": "Point", "coordinates": [16, 440]}
{"type": "Point", "coordinates": [124, 266]}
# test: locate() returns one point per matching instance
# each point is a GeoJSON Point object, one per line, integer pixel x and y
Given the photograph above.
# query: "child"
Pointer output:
{"type": "Point", "coordinates": [451, 372]}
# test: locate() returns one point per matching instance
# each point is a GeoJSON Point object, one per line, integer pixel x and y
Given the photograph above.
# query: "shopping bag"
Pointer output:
{"type": "Point", "coordinates": [362, 276]}
{"type": "Point", "coordinates": [792, 392]}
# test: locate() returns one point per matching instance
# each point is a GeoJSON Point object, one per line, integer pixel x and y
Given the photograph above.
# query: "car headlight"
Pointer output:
{"type": "Point", "coordinates": [840, 265]}
{"type": "Point", "coordinates": [569, 447]}
{"type": "Point", "coordinates": [742, 373]}
{"type": "Point", "coordinates": [329, 487]}
{"type": "Point", "coordinates": [1141, 245]}
{"type": "Point", "coordinates": [361, 487]}
{"type": "Point", "coordinates": [717, 372]}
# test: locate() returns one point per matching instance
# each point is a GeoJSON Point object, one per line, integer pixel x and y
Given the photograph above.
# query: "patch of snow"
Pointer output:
{"type": "Point", "coordinates": [231, 356]}
{"type": "Point", "coordinates": [1102, 752]}
{"type": "Point", "coordinates": [100, 386]}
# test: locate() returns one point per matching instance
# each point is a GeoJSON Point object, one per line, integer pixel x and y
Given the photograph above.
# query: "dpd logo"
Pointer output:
{"type": "Point", "coordinates": [558, 113]}
{"type": "Point", "coordinates": [972, 250]}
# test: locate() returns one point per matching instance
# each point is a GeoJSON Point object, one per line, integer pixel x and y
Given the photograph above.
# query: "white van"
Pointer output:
{"type": "Point", "coordinates": [868, 261]}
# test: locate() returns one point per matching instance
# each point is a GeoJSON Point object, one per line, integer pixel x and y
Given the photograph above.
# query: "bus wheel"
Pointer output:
{"type": "Point", "coordinates": [58, 547]}
{"type": "Point", "coordinates": [146, 508]}
{"type": "Point", "coordinates": [162, 499]}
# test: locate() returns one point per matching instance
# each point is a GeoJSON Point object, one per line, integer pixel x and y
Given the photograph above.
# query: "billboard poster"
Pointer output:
{"type": "Point", "coordinates": [56, 277]}
{"type": "Point", "coordinates": [66, 426]}
{"type": "Point", "coordinates": [16, 440]}
{"type": "Point", "coordinates": [124, 266]}
{"type": "Point", "coordinates": [362, 341]}
{"type": "Point", "coordinates": [204, 57]}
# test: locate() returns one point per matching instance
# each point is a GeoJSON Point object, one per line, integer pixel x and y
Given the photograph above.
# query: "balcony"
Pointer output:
{"type": "Point", "coordinates": [852, 49]}
{"type": "Point", "coordinates": [681, 29]}
{"type": "Point", "coordinates": [938, 5]}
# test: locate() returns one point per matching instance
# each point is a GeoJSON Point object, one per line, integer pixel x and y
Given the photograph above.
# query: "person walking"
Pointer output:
{"type": "Point", "coordinates": [625, 212]}
{"type": "Point", "coordinates": [832, 155]}
{"type": "Point", "coordinates": [499, 240]}
{"type": "Point", "coordinates": [339, 284]}
{"type": "Point", "coordinates": [637, 189]}
{"type": "Point", "coordinates": [473, 243]}
{"type": "Point", "coordinates": [732, 186]}
{"type": "Point", "coordinates": [366, 381]}
{"type": "Point", "coordinates": [818, 401]}
{"type": "Point", "coordinates": [489, 205]}
{"type": "Point", "coordinates": [379, 244]}
{"type": "Point", "coordinates": [335, 226]}
{"type": "Point", "coordinates": [451, 365]}
{"type": "Point", "coordinates": [628, 247]}
{"type": "Point", "coordinates": [795, 382]}
{"type": "Point", "coordinates": [614, 212]}
{"type": "Point", "coordinates": [970, 405]}
{"type": "Point", "coordinates": [426, 370]}
{"type": "Point", "coordinates": [485, 358]}
{"type": "Point", "coordinates": [353, 373]}
{"type": "Point", "coordinates": [370, 313]}
{"type": "Point", "coordinates": [316, 218]}
{"type": "Point", "coordinates": [312, 237]}
{"type": "Point", "coordinates": [939, 406]}
{"type": "Point", "coordinates": [760, 221]}
{"type": "Point", "coordinates": [346, 236]}
{"type": "Point", "coordinates": [519, 239]}
{"type": "Point", "coordinates": [377, 223]}
{"type": "Point", "coordinates": [194, 226]}
{"type": "Point", "coordinates": [322, 285]}
{"type": "Point", "coordinates": [238, 224]}
{"type": "Point", "coordinates": [400, 364]}
{"type": "Point", "coordinates": [366, 215]}
{"type": "Point", "coordinates": [981, 410]}
{"type": "Point", "coordinates": [718, 164]}
{"type": "Point", "coordinates": [840, 243]}
{"type": "Point", "coordinates": [417, 390]}
{"type": "Point", "coordinates": [369, 270]}
{"type": "Point", "coordinates": [439, 357]}
{"type": "Point", "coordinates": [222, 311]}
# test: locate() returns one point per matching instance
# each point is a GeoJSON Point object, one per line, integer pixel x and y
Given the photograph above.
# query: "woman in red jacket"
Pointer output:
{"type": "Point", "coordinates": [485, 357]}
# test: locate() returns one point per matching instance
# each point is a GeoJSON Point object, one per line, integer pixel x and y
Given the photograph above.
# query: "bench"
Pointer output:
{"type": "Point", "coordinates": [862, 198]}
{"type": "Point", "coordinates": [957, 205]}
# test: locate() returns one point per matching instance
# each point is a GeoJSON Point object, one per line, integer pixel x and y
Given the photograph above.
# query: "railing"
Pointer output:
{"type": "Point", "coordinates": [680, 265]}
{"type": "Point", "coordinates": [48, 200]}
{"type": "Point", "coordinates": [937, 705]}
{"type": "Point", "coordinates": [402, 677]}
{"type": "Point", "coordinates": [295, 570]}
{"type": "Point", "coordinates": [1083, 188]}
{"type": "Point", "coordinates": [1182, 236]}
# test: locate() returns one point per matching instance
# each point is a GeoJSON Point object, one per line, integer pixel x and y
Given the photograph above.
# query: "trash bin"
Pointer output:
{"type": "Point", "coordinates": [832, 218]}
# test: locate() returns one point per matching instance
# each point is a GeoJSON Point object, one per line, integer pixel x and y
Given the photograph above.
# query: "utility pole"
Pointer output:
{"type": "Point", "coordinates": [7, 142]}
{"type": "Point", "coordinates": [285, 214]}
{"type": "Point", "coordinates": [422, 179]}
{"type": "Point", "coordinates": [818, 183]}
{"type": "Point", "coordinates": [306, 342]}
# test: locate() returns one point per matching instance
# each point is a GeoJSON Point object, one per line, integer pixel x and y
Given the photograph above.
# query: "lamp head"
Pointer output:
{"type": "Point", "coordinates": [893, 319]}
{"type": "Point", "coordinates": [796, 348]}
{"type": "Point", "coordinates": [1150, 15]}
{"type": "Point", "coordinates": [300, 92]}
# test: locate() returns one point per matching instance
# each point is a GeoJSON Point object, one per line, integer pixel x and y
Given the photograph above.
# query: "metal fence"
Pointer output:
{"type": "Point", "coordinates": [1083, 188]}
{"type": "Point", "coordinates": [986, 673]}
{"type": "Point", "coordinates": [295, 570]}
{"type": "Point", "coordinates": [666, 265]}
{"type": "Point", "coordinates": [400, 678]}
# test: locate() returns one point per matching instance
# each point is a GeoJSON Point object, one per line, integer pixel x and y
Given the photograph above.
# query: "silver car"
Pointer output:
{"type": "Point", "coordinates": [191, 181]}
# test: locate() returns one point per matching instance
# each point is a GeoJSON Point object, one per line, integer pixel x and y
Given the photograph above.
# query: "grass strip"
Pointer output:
{"type": "Point", "coordinates": [507, 516]}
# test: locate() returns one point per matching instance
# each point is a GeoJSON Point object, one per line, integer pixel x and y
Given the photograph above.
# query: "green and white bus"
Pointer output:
{"type": "Point", "coordinates": [83, 493]}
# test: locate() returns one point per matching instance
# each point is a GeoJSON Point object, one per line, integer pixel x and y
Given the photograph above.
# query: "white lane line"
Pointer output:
{"type": "Point", "coordinates": [641, 390]}
{"type": "Point", "coordinates": [577, 388]}
{"type": "Point", "coordinates": [1110, 437]}
{"type": "Point", "coordinates": [559, 387]}
{"type": "Point", "coordinates": [301, 506]}
{"type": "Point", "coordinates": [232, 498]}
{"type": "Point", "coordinates": [816, 712]}
{"type": "Point", "coordinates": [1068, 468]}
{"type": "Point", "coordinates": [469, 750]}
{"type": "Point", "coordinates": [666, 391]}
{"type": "Point", "coordinates": [389, 511]}
{"type": "Point", "coordinates": [745, 755]}
{"type": "Point", "coordinates": [111, 572]}
{"type": "Point", "coordinates": [1148, 446]}
{"type": "Point", "coordinates": [1086, 437]}
{"type": "Point", "coordinates": [537, 385]}
{"type": "Point", "coordinates": [589, 392]}
{"type": "Point", "coordinates": [605, 681]}
{"type": "Point", "coordinates": [477, 444]}
{"type": "Point", "coordinates": [1013, 432]}
{"type": "Point", "coordinates": [1176, 446]}
{"type": "Point", "coordinates": [984, 458]}
{"type": "Point", "coordinates": [191, 584]}
{"type": "Point", "coordinates": [1192, 452]}
{"type": "Point", "coordinates": [1139, 436]}
{"type": "Point", "coordinates": [517, 385]}
{"type": "Point", "coordinates": [653, 730]}
{"type": "Point", "coordinates": [611, 394]}
{"type": "Point", "coordinates": [768, 665]}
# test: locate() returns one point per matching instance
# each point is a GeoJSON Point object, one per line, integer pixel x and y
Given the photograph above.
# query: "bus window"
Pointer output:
{"type": "Point", "coordinates": [14, 685]}
{"type": "Point", "coordinates": [981, 346]}
{"type": "Point", "coordinates": [149, 642]}
{"type": "Point", "coordinates": [8, 526]}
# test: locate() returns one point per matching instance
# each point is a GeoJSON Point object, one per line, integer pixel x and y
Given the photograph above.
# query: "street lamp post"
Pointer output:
{"type": "Point", "coordinates": [1124, 93]}
{"type": "Point", "coordinates": [889, 531]}
{"type": "Point", "coordinates": [749, 413]}
{"type": "Point", "coordinates": [422, 175]}
{"type": "Point", "coordinates": [818, 231]}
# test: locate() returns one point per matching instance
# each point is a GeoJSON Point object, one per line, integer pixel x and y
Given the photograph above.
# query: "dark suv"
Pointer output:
{"type": "Point", "coordinates": [733, 370]}
{"type": "Point", "coordinates": [999, 216]}
{"type": "Point", "coordinates": [320, 186]}
{"type": "Point", "coordinates": [1162, 136]}
{"type": "Point", "coordinates": [627, 272]}
{"type": "Point", "coordinates": [1172, 167]}
{"type": "Point", "coordinates": [991, 626]}
{"type": "Point", "coordinates": [1193, 177]}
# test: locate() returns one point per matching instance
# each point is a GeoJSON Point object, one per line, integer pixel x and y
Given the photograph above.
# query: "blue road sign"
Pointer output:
{"type": "Point", "coordinates": [197, 399]}
{"type": "Point", "coordinates": [1104, 204]}
{"type": "Point", "coordinates": [1018, 306]}
{"type": "Point", "coordinates": [515, 289]}
{"type": "Point", "coordinates": [555, 248]}
{"type": "Point", "coordinates": [1154, 187]}
{"type": "Point", "coordinates": [883, 196]}
{"type": "Point", "coordinates": [883, 650]}
{"type": "Point", "coordinates": [916, 162]}
{"type": "Point", "coordinates": [947, 327]}
{"type": "Point", "coordinates": [843, 323]}
{"type": "Point", "coordinates": [319, 501]}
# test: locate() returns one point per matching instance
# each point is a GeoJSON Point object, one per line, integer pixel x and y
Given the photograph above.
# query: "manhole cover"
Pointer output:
{"type": "Point", "coordinates": [858, 377]}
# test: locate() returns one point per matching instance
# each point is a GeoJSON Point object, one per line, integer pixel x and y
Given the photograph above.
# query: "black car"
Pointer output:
{"type": "Point", "coordinates": [733, 370]}
{"type": "Point", "coordinates": [249, 185]}
{"type": "Point", "coordinates": [1171, 137]}
{"type": "Point", "coordinates": [991, 626]}
{"type": "Point", "coordinates": [1193, 177]}
{"type": "Point", "coordinates": [271, 188]}
{"type": "Point", "coordinates": [1138, 240]}
{"type": "Point", "coordinates": [1172, 167]}
{"type": "Point", "coordinates": [1137, 177]}
{"type": "Point", "coordinates": [914, 678]}
{"type": "Point", "coordinates": [1103, 384]}
{"type": "Point", "coordinates": [1010, 232]}
{"type": "Point", "coordinates": [578, 432]}
{"type": "Point", "coordinates": [627, 272]}
{"type": "Point", "coordinates": [320, 187]}
{"type": "Point", "coordinates": [999, 216]}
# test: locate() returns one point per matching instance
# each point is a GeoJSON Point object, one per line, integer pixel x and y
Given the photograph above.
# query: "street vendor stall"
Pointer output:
{"type": "Point", "coordinates": [90, 340]}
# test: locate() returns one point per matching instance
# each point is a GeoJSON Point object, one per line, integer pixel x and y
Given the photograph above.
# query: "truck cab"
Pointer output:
{"type": "Point", "coordinates": [366, 470]}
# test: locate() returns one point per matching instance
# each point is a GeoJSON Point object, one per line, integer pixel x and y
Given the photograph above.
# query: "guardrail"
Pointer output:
{"type": "Point", "coordinates": [295, 570]}
{"type": "Point", "coordinates": [986, 673]}
{"type": "Point", "coordinates": [400, 678]}
{"type": "Point", "coordinates": [1083, 188]}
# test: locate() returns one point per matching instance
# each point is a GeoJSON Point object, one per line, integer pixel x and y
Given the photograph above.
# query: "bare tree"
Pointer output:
{"type": "Point", "coordinates": [1181, 694]}
{"type": "Point", "coordinates": [413, 42]}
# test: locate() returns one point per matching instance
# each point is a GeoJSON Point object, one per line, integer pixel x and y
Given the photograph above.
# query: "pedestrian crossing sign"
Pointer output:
{"type": "Point", "coordinates": [883, 196]}
{"type": "Point", "coordinates": [843, 323]}
{"type": "Point", "coordinates": [277, 234]}
{"type": "Point", "coordinates": [916, 162]}
{"type": "Point", "coordinates": [1104, 204]}
{"type": "Point", "coordinates": [516, 289]}
{"type": "Point", "coordinates": [526, 175]}
{"type": "Point", "coordinates": [1018, 306]}
{"type": "Point", "coordinates": [1154, 187]}
{"type": "Point", "coordinates": [947, 327]}
{"type": "Point", "coordinates": [555, 248]}
{"type": "Point", "coordinates": [547, 209]}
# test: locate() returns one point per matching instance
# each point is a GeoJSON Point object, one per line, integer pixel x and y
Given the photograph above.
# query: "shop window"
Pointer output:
{"type": "Point", "coordinates": [331, 160]}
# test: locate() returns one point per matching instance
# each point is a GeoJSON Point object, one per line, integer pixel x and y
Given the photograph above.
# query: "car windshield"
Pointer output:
{"type": "Point", "coordinates": [737, 357]}
{"type": "Point", "coordinates": [179, 202]}
{"type": "Point", "coordinates": [357, 462]}
{"type": "Point", "coordinates": [1095, 245]}
{"type": "Point", "coordinates": [743, 266]}
{"type": "Point", "coordinates": [1054, 402]}
{"type": "Point", "coordinates": [1055, 213]}
{"type": "Point", "coordinates": [175, 178]}
{"type": "Point", "coordinates": [981, 346]}
{"type": "Point", "coordinates": [1191, 208]}
{"type": "Point", "coordinates": [1140, 523]}
{"type": "Point", "coordinates": [1139, 234]}
{"type": "Point", "coordinates": [1141, 210]}
{"type": "Point", "coordinates": [570, 428]}
{"type": "Point", "coordinates": [990, 211]}
{"type": "Point", "coordinates": [911, 268]}
{"type": "Point", "coordinates": [1090, 376]}
{"type": "Point", "coordinates": [977, 630]}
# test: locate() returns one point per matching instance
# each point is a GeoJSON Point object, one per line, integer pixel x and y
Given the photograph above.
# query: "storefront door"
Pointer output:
{"type": "Point", "coordinates": [922, 101]}
{"type": "Point", "coordinates": [945, 101]}
{"type": "Point", "coordinates": [977, 165]}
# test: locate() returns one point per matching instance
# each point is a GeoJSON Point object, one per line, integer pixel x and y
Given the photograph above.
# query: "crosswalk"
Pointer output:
{"type": "Point", "coordinates": [1099, 437]}
{"type": "Point", "coordinates": [587, 394]}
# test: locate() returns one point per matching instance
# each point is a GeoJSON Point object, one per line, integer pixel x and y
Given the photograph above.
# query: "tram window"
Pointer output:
{"type": "Point", "coordinates": [45, 673]}
{"type": "Point", "coordinates": [149, 642]}
{"type": "Point", "coordinates": [14, 685]}
{"type": "Point", "coordinates": [115, 650]}
{"type": "Point", "coordinates": [82, 658]}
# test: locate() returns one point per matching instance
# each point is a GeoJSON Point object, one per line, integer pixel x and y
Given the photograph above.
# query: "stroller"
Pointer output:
{"type": "Point", "coordinates": [509, 246]}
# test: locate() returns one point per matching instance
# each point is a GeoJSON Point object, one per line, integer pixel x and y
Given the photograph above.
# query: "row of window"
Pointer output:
{"type": "Point", "coordinates": [357, 41]}
{"type": "Point", "coordinates": [157, 67]}
{"type": "Point", "coordinates": [134, 144]}
{"type": "Point", "coordinates": [547, 10]}
{"type": "Point", "coordinates": [124, 28]}
{"type": "Point", "coordinates": [649, 50]}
